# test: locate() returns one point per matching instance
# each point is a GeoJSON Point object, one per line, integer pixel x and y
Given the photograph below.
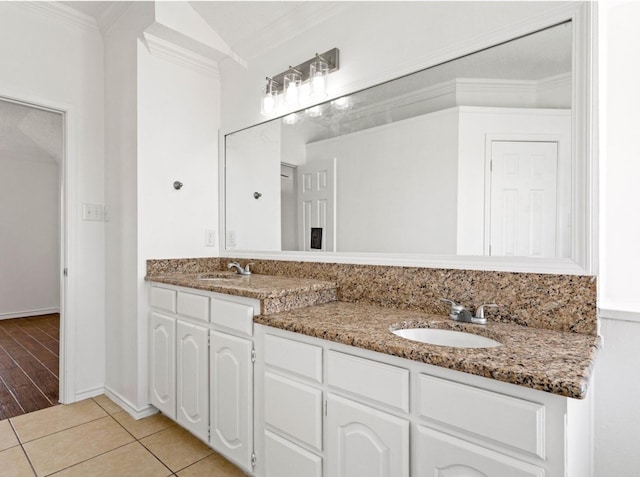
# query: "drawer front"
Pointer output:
{"type": "Point", "coordinates": [300, 359]}
{"type": "Point", "coordinates": [507, 420]}
{"type": "Point", "coordinates": [285, 459]}
{"type": "Point", "coordinates": [294, 409]}
{"type": "Point", "coordinates": [193, 306]}
{"type": "Point", "coordinates": [232, 315]}
{"type": "Point", "coordinates": [163, 299]}
{"type": "Point", "coordinates": [443, 455]}
{"type": "Point", "coordinates": [369, 379]}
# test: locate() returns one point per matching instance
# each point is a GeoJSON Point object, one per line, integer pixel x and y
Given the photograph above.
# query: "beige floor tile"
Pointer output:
{"type": "Point", "coordinates": [7, 436]}
{"type": "Point", "coordinates": [132, 460]}
{"type": "Point", "coordinates": [64, 449]}
{"type": "Point", "coordinates": [213, 466]}
{"type": "Point", "coordinates": [143, 427]}
{"type": "Point", "coordinates": [107, 404]}
{"type": "Point", "coordinates": [13, 462]}
{"type": "Point", "coordinates": [54, 419]}
{"type": "Point", "coordinates": [176, 448]}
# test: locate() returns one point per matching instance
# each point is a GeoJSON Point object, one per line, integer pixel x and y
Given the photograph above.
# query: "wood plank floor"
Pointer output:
{"type": "Point", "coordinates": [29, 363]}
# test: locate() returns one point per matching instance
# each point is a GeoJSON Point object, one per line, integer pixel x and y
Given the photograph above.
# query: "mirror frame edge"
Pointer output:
{"type": "Point", "coordinates": [584, 260]}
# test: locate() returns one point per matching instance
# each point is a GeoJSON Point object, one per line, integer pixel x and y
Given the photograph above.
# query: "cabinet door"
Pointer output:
{"type": "Point", "coordinates": [162, 363]}
{"type": "Point", "coordinates": [232, 397]}
{"type": "Point", "coordinates": [193, 379]}
{"type": "Point", "coordinates": [285, 459]}
{"type": "Point", "coordinates": [441, 455]}
{"type": "Point", "coordinates": [365, 441]}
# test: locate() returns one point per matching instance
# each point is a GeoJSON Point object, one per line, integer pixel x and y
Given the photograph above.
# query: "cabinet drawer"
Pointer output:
{"type": "Point", "coordinates": [372, 380]}
{"type": "Point", "coordinates": [294, 409]}
{"type": "Point", "coordinates": [300, 359]}
{"type": "Point", "coordinates": [193, 306]}
{"type": "Point", "coordinates": [441, 454]}
{"type": "Point", "coordinates": [285, 459]}
{"type": "Point", "coordinates": [235, 316]}
{"type": "Point", "coordinates": [163, 299]}
{"type": "Point", "coordinates": [505, 419]}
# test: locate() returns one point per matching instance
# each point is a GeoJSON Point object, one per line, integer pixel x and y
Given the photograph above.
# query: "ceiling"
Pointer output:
{"type": "Point", "coordinates": [30, 134]}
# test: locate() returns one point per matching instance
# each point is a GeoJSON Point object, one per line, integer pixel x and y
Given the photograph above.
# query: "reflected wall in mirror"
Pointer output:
{"type": "Point", "coordinates": [470, 157]}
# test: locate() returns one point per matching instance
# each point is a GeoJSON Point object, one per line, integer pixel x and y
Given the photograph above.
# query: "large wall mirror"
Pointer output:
{"type": "Point", "coordinates": [472, 161]}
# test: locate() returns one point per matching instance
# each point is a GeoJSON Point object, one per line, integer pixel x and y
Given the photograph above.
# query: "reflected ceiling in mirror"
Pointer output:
{"type": "Point", "coordinates": [469, 157]}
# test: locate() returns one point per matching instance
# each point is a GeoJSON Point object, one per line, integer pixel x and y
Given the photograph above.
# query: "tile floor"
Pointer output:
{"type": "Point", "coordinates": [29, 364]}
{"type": "Point", "coordinates": [97, 438]}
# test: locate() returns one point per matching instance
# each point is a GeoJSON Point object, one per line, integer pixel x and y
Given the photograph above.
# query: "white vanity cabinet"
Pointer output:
{"type": "Point", "coordinates": [201, 366]}
{"type": "Point", "coordinates": [334, 410]}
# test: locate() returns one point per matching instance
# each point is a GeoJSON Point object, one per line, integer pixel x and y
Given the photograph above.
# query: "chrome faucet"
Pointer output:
{"type": "Point", "coordinates": [461, 314]}
{"type": "Point", "coordinates": [241, 271]}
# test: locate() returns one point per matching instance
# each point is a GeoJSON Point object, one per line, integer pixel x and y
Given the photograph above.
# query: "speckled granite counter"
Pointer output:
{"type": "Point", "coordinates": [554, 361]}
{"type": "Point", "coordinates": [276, 293]}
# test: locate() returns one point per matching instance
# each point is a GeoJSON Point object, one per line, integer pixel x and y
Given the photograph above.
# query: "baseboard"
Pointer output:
{"type": "Point", "coordinates": [23, 314]}
{"type": "Point", "coordinates": [89, 393]}
{"type": "Point", "coordinates": [133, 411]}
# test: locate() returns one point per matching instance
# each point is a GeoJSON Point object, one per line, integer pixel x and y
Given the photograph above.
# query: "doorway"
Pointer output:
{"type": "Point", "coordinates": [32, 158]}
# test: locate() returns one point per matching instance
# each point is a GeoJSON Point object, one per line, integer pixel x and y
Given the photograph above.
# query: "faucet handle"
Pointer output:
{"type": "Point", "coordinates": [455, 308]}
{"type": "Point", "coordinates": [247, 269]}
{"type": "Point", "coordinates": [480, 309]}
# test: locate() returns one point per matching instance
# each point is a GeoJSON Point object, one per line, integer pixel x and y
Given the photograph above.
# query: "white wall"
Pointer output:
{"type": "Point", "coordinates": [253, 165]}
{"type": "Point", "coordinates": [617, 390]}
{"type": "Point", "coordinates": [419, 216]}
{"type": "Point", "coordinates": [29, 236]}
{"type": "Point", "coordinates": [47, 59]}
{"type": "Point", "coordinates": [162, 126]}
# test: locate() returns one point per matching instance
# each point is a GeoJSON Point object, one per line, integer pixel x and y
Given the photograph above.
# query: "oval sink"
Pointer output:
{"type": "Point", "coordinates": [455, 339]}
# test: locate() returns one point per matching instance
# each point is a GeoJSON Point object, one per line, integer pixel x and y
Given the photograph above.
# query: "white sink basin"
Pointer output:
{"type": "Point", "coordinates": [455, 339]}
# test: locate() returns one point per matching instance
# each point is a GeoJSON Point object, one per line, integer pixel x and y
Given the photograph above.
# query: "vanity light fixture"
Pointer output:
{"type": "Point", "coordinates": [342, 103]}
{"type": "Point", "coordinates": [300, 84]}
{"type": "Point", "coordinates": [290, 119]}
{"type": "Point", "coordinates": [314, 111]}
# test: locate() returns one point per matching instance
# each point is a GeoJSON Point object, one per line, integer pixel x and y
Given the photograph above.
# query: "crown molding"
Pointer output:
{"type": "Point", "coordinates": [65, 14]}
{"type": "Point", "coordinates": [295, 23]}
{"type": "Point", "coordinates": [112, 14]}
{"type": "Point", "coordinates": [181, 56]}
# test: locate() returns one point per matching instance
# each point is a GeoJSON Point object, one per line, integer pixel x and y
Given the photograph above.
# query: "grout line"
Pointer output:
{"type": "Point", "coordinates": [24, 451]}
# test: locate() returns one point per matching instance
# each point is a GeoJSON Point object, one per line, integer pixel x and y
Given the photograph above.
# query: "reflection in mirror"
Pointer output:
{"type": "Point", "coordinates": [470, 157]}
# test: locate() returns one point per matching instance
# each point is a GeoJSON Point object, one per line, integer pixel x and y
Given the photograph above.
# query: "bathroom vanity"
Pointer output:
{"type": "Point", "coordinates": [284, 380]}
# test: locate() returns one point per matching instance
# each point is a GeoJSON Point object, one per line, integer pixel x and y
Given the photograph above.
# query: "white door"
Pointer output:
{"type": "Point", "coordinates": [193, 378]}
{"type": "Point", "coordinates": [522, 215]}
{"type": "Point", "coordinates": [317, 205]}
{"type": "Point", "coordinates": [441, 455]}
{"type": "Point", "coordinates": [231, 397]}
{"type": "Point", "coordinates": [162, 357]}
{"type": "Point", "coordinates": [363, 441]}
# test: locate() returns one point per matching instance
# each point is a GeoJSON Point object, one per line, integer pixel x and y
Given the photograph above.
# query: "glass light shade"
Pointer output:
{"type": "Point", "coordinates": [290, 119]}
{"type": "Point", "coordinates": [314, 111]}
{"type": "Point", "coordinates": [318, 75]}
{"type": "Point", "coordinates": [342, 103]}
{"type": "Point", "coordinates": [292, 82]}
{"type": "Point", "coordinates": [269, 100]}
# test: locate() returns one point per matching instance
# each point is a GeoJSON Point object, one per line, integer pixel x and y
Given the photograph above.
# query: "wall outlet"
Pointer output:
{"type": "Point", "coordinates": [93, 212]}
{"type": "Point", "coordinates": [209, 238]}
{"type": "Point", "coordinates": [231, 239]}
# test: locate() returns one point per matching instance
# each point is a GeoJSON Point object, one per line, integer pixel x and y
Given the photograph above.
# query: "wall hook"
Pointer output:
{"type": "Point", "coordinates": [177, 185]}
{"type": "Point", "coordinates": [257, 195]}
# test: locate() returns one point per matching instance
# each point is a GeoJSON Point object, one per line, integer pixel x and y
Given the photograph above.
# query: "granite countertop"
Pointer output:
{"type": "Point", "coordinates": [276, 293]}
{"type": "Point", "coordinates": [553, 361]}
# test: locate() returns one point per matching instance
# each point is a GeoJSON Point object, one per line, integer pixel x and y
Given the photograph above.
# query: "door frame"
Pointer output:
{"type": "Point", "coordinates": [559, 139]}
{"type": "Point", "coordinates": [67, 239]}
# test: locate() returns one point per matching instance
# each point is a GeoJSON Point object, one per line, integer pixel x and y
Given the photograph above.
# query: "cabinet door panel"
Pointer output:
{"type": "Point", "coordinates": [193, 379]}
{"type": "Point", "coordinates": [285, 459]}
{"type": "Point", "coordinates": [364, 441]}
{"type": "Point", "coordinates": [231, 397]}
{"type": "Point", "coordinates": [441, 455]}
{"type": "Point", "coordinates": [162, 359]}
